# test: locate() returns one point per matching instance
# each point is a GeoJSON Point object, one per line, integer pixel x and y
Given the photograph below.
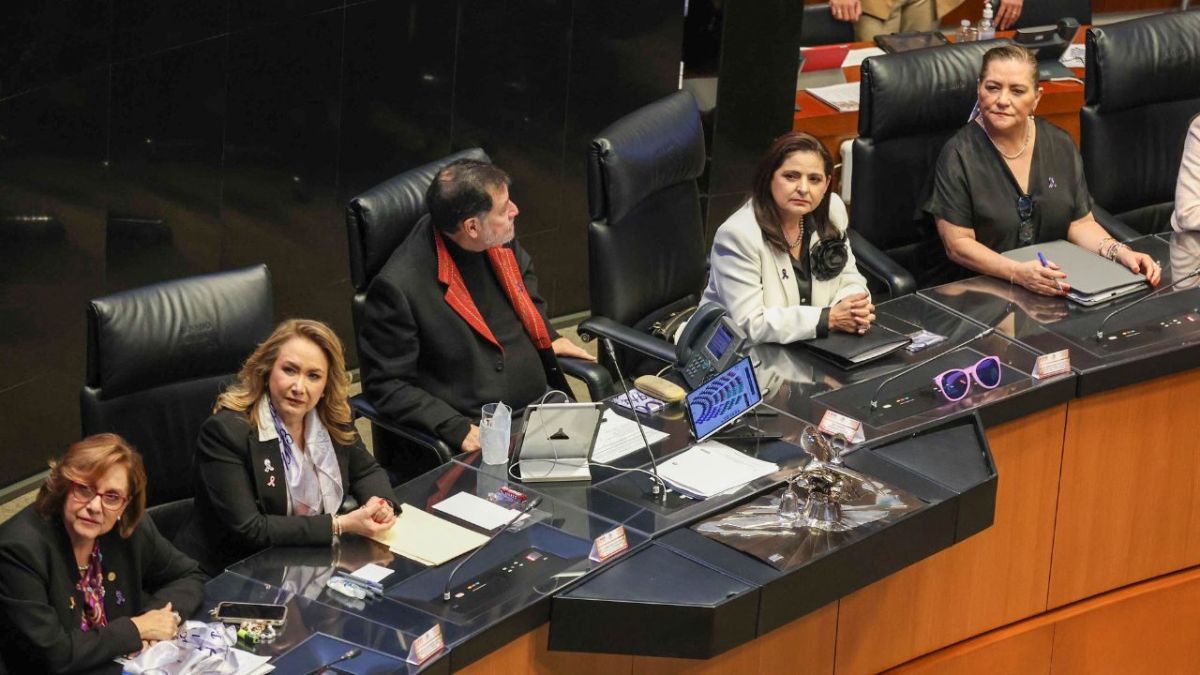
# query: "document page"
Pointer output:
{"type": "Point", "coordinates": [618, 436]}
{"type": "Point", "coordinates": [711, 468]}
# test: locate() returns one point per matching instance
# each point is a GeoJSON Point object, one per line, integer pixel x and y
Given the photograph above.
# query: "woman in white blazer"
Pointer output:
{"type": "Point", "coordinates": [781, 265]}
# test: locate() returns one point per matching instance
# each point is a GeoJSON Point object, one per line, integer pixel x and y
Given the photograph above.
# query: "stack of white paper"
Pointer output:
{"type": "Point", "coordinates": [711, 468]}
{"type": "Point", "coordinates": [619, 436]}
{"type": "Point", "coordinates": [844, 97]}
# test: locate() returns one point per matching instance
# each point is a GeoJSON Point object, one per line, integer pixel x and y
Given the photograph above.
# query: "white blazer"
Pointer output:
{"type": "Point", "coordinates": [756, 283]}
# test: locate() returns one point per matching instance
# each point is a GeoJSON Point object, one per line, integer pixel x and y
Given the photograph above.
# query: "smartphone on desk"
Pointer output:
{"type": "Point", "coordinates": [237, 612]}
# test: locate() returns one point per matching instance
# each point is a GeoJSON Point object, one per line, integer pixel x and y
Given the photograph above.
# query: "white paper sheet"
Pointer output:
{"type": "Point", "coordinates": [618, 436]}
{"type": "Point", "coordinates": [856, 56]}
{"type": "Point", "coordinates": [475, 510]}
{"type": "Point", "coordinates": [371, 572]}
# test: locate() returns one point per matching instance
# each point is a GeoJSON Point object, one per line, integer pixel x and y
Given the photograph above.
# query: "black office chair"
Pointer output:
{"type": "Point", "coordinates": [157, 357]}
{"type": "Point", "coordinates": [1048, 12]}
{"type": "Point", "coordinates": [910, 104]}
{"type": "Point", "coordinates": [1141, 93]}
{"type": "Point", "coordinates": [820, 28]}
{"type": "Point", "coordinates": [646, 246]}
{"type": "Point", "coordinates": [378, 221]}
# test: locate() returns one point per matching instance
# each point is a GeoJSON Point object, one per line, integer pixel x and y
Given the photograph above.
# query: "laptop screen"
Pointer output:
{"type": "Point", "coordinates": [716, 403]}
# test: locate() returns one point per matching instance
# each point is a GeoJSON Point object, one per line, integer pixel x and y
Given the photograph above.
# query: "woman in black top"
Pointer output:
{"type": "Point", "coordinates": [84, 577]}
{"type": "Point", "coordinates": [278, 457]}
{"type": "Point", "coordinates": [1008, 180]}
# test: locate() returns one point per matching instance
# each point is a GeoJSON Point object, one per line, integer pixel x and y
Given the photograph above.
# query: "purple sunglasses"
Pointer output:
{"type": "Point", "coordinates": [956, 382]}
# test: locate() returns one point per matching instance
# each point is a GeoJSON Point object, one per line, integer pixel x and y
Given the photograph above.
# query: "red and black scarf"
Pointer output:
{"type": "Point", "coordinates": [504, 264]}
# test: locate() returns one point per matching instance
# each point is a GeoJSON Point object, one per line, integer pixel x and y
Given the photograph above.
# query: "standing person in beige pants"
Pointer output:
{"type": "Point", "coordinates": [882, 17]}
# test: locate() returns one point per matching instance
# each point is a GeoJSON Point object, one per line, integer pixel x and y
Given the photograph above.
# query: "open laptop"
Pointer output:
{"type": "Point", "coordinates": [718, 402]}
{"type": "Point", "coordinates": [558, 441]}
{"type": "Point", "coordinates": [1093, 279]}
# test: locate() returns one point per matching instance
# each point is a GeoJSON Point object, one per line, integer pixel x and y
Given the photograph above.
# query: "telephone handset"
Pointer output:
{"type": "Point", "coordinates": [709, 344]}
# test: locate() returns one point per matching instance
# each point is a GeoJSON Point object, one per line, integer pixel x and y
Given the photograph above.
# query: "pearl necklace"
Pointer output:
{"type": "Point", "coordinates": [1024, 146]}
{"type": "Point", "coordinates": [799, 235]}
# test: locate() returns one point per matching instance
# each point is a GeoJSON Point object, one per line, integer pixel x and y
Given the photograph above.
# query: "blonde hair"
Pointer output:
{"type": "Point", "coordinates": [88, 460]}
{"type": "Point", "coordinates": [333, 408]}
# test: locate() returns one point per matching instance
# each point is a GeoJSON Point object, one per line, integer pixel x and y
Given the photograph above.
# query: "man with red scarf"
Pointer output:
{"type": "Point", "coordinates": [454, 319]}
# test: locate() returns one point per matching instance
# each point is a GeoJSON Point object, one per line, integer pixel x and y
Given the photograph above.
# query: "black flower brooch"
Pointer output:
{"type": "Point", "coordinates": [829, 258]}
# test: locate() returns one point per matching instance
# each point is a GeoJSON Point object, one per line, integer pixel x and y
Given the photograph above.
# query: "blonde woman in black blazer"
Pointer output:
{"type": "Point", "coordinates": [279, 455]}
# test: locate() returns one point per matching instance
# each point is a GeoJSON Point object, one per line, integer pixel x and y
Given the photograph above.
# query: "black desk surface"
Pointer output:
{"type": "Point", "coordinates": [805, 386]}
{"type": "Point", "coordinates": [725, 596]}
{"type": "Point", "coordinates": [1137, 342]}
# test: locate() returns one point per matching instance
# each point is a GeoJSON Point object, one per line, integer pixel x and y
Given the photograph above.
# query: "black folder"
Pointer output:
{"type": "Point", "coordinates": [851, 350]}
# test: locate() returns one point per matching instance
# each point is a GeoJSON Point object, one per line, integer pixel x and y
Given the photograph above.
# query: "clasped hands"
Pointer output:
{"type": "Point", "coordinates": [852, 314]}
{"type": "Point", "coordinates": [371, 518]}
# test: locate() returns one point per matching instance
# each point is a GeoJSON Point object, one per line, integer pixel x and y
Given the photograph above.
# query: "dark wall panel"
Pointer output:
{"type": "Point", "coordinates": [44, 42]}
{"type": "Point", "coordinates": [510, 95]}
{"type": "Point", "coordinates": [397, 89]}
{"type": "Point", "coordinates": [168, 116]}
{"type": "Point", "coordinates": [142, 27]}
{"type": "Point", "coordinates": [279, 202]}
{"type": "Point", "coordinates": [52, 187]}
{"type": "Point", "coordinates": [756, 92]}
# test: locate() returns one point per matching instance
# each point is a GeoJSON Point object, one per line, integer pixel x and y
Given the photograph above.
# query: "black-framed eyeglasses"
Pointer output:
{"type": "Point", "coordinates": [1025, 213]}
{"type": "Point", "coordinates": [109, 500]}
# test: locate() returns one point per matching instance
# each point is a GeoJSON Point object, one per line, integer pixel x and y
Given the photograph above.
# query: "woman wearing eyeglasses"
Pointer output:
{"type": "Point", "coordinates": [280, 454]}
{"type": "Point", "coordinates": [84, 577]}
{"type": "Point", "coordinates": [1008, 179]}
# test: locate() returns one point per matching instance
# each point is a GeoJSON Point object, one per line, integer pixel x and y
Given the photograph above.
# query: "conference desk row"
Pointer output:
{"type": "Point", "coordinates": [1049, 523]}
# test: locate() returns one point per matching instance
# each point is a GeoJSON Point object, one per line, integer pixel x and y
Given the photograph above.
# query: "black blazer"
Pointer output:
{"type": "Point", "coordinates": [423, 365]}
{"type": "Point", "coordinates": [239, 512]}
{"type": "Point", "coordinates": [40, 610]}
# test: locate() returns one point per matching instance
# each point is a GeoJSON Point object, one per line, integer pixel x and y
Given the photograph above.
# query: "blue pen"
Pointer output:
{"type": "Point", "coordinates": [1046, 263]}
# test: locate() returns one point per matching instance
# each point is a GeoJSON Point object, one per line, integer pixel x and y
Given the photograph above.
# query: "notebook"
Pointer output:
{"type": "Point", "coordinates": [851, 350]}
{"type": "Point", "coordinates": [1092, 279]}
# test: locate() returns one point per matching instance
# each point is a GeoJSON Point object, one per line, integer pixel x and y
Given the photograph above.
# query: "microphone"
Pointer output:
{"type": "Point", "coordinates": [875, 398]}
{"type": "Point", "coordinates": [352, 654]}
{"type": "Point", "coordinates": [529, 506]}
{"type": "Point", "coordinates": [1173, 284]}
{"type": "Point", "coordinates": [658, 486]}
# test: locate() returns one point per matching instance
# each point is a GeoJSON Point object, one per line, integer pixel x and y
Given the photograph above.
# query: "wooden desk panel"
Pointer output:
{"type": "Point", "coordinates": [1146, 628]}
{"type": "Point", "coordinates": [994, 578]}
{"type": "Point", "coordinates": [1129, 505]}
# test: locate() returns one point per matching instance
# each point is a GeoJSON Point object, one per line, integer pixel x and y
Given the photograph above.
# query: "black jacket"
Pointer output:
{"type": "Point", "coordinates": [238, 512]}
{"type": "Point", "coordinates": [423, 365]}
{"type": "Point", "coordinates": [40, 610]}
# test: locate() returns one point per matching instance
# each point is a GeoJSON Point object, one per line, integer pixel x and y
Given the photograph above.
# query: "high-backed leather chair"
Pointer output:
{"type": "Point", "coordinates": [646, 248]}
{"type": "Point", "coordinates": [647, 251]}
{"type": "Point", "coordinates": [378, 221]}
{"type": "Point", "coordinates": [1047, 12]}
{"type": "Point", "coordinates": [910, 104]}
{"type": "Point", "coordinates": [820, 28]}
{"type": "Point", "coordinates": [1142, 90]}
{"type": "Point", "coordinates": [157, 357]}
